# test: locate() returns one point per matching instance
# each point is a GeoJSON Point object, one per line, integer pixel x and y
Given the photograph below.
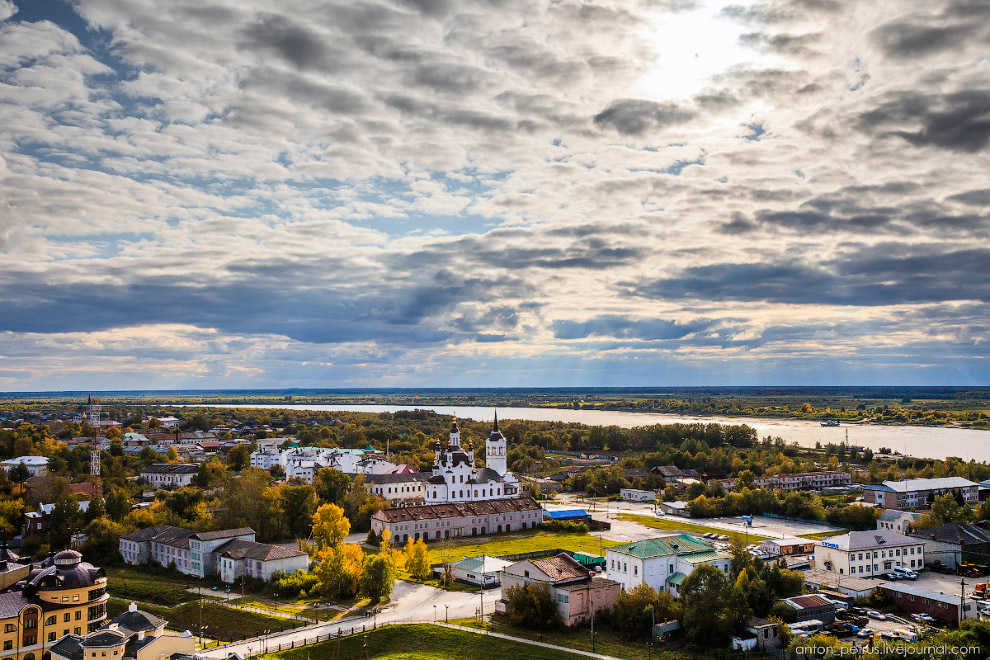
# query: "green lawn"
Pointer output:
{"type": "Point", "coordinates": [579, 637]}
{"type": "Point", "coordinates": [423, 642]}
{"type": "Point", "coordinates": [219, 621]}
{"type": "Point", "coordinates": [824, 535]}
{"type": "Point", "coordinates": [510, 544]}
{"type": "Point", "coordinates": [681, 523]}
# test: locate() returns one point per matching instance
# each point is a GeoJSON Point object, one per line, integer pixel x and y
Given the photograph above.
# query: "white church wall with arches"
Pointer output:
{"type": "Point", "coordinates": [456, 478]}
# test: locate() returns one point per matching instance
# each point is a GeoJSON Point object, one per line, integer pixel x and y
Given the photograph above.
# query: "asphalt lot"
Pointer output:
{"type": "Point", "coordinates": [627, 531]}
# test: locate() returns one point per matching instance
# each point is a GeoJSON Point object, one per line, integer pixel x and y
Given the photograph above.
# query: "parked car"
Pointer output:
{"type": "Point", "coordinates": [891, 576]}
{"type": "Point", "coordinates": [873, 614]}
{"type": "Point", "coordinates": [865, 632]}
{"type": "Point", "coordinates": [905, 573]}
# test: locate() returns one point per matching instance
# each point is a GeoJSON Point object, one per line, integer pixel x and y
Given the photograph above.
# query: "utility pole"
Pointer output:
{"type": "Point", "coordinates": [592, 630]}
{"type": "Point", "coordinates": [962, 598]}
{"type": "Point", "coordinates": [481, 594]}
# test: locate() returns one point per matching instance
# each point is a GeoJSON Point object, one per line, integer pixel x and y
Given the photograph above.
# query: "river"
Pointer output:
{"type": "Point", "coordinates": [921, 441]}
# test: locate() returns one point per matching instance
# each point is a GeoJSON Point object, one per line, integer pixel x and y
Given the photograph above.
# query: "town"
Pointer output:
{"type": "Point", "coordinates": [220, 533]}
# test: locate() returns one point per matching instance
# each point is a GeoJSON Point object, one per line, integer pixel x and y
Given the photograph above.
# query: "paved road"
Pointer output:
{"type": "Point", "coordinates": [410, 602]}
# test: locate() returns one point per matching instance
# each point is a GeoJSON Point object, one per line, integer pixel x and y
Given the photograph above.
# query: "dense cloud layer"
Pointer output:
{"type": "Point", "coordinates": [210, 193]}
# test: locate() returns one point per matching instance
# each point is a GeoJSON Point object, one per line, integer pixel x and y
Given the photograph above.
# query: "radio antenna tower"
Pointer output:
{"type": "Point", "coordinates": [93, 410]}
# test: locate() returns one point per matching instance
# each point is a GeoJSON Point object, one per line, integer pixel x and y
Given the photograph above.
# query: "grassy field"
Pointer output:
{"type": "Point", "coordinates": [423, 642]}
{"type": "Point", "coordinates": [681, 523]}
{"type": "Point", "coordinates": [579, 637]}
{"type": "Point", "coordinates": [510, 544]}
{"type": "Point", "coordinates": [824, 535]}
{"type": "Point", "coordinates": [219, 621]}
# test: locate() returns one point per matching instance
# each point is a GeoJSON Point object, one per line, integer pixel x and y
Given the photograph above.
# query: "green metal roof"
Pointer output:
{"type": "Point", "coordinates": [705, 557]}
{"type": "Point", "coordinates": [664, 545]}
{"type": "Point", "coordinates": [676, 578]}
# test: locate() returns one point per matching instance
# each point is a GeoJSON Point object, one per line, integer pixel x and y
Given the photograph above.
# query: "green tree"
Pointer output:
{"type": "Point", "coordinates": [638, 609]}
{"type": "Point", "coordinates": [239, 458]}
{"type": "Point", "coordinates": [66, 520]}
{"type": "Point", "coordinates": [331, 485]}
{"type": "Point", "coordinates": [713, 609]}
{"type": "Point", "coordinates": [118, 505]}
{"type": "Point", "coordinates": [378, 577]}
{"type": "Point", "coordinates": [102, 546]}
{"type": "Point", "coordinates": [299, 504]}
{"type": "Point", "coordinates": [532, 606]}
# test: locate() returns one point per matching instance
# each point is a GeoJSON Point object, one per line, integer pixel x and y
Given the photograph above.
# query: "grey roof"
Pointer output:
{"type": "Point", "coordinates": [169, 468]}
{"type": "Point", "coordinates": [104, 638]}
{"type": "Point", "coordinates": [138, 621]}
{"type": "Point", "coordinates": [870, 539]}
{"type": "Point", "coordinates": [958, 533]}
{"type": "Point", "coordinates": [906, 485]}
{"type": "Point", "coordinates": [396, 478]}
{"type": "Point", "coordinates": [223, 533]}
{"type": "Point", "coordinates": [68, 647]}
{"type": "Point", "coordinates": [11, 603]}
{"type": "Point", "coordinates": [484, 475]}
{"type": "Point", "coordinates": [893, 515]}
{"type": "Point", "coordinates": [482, 564]}
{"type": "Point", "coordinates": [240, 549]}
{"type": "Point", "coordinates": [940, 596]}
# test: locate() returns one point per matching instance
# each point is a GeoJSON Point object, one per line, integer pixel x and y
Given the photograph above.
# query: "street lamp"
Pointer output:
{"type": "Point", "coordinates": [446, 608]}
{"type": "Point", "coordinates": [201, 629]}
{"type": "Point", "coordinates": [434, 614]}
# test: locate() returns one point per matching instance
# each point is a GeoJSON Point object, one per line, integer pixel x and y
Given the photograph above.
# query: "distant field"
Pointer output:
{"type": "Point", "coordinates": [681, 523]}
{"type": "Point", "coordinates": [423, 642]}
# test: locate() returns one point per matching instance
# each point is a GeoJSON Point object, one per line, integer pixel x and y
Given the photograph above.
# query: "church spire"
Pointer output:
{"type": "Point", "coordinates": [495, 427]}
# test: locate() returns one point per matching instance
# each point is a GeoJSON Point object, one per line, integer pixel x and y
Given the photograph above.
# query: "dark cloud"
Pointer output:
{"type": "Point", "coordinates": [784, 44]}
{"type": "Point", "coordinates": [304, 48]}
{"type": "Point", "coordinates": [972, 197]}
{"type": "Point", "coordinates": [739, 224]}
{"type": "Point", "coordinates": [959, 121]}
{"type": "Point", "coordinates": [875, 276]}
{"type": "Point", "coordinates": [910, 40]}
{"type": "Point", "coordinates": [625, 328]}
{"type": "Point", "coordinates": [779, 11]}
{"type": "Point", "coordinates": [637, 116]}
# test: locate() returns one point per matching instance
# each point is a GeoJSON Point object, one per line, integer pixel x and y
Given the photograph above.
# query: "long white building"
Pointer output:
{"type": "Point", "coordinates": [304, 462]}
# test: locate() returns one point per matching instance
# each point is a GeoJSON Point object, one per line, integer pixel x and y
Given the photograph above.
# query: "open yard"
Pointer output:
{"type": "Point", "coordinates": [579, 637]}
{"type": "Point", "coordinates": [511, 544]}
{"type": "Point", "coordinates": [423, 642]}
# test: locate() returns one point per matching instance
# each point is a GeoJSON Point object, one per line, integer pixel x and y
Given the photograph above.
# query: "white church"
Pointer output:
{"type": "Point", "coordinates": [456, 479]}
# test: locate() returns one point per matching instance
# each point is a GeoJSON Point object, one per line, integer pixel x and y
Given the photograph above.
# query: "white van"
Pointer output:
{"type": "Point", "coordinates": [905, 573]}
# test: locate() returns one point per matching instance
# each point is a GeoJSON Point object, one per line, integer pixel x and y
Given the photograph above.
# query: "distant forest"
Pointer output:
{"type": "Point", "coordinates": [931, 406]}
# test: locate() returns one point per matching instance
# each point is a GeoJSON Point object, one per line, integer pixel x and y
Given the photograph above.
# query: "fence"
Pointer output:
{"type": "Point", "coordinates": [266, 646]}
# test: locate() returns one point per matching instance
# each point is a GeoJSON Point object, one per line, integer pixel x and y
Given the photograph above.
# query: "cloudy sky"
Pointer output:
{"type": "Point", "coordinates": [329, 193]}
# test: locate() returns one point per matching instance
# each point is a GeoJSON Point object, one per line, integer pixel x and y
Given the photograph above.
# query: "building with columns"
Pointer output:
{"type": "Point", "coordinates": [455, 478]}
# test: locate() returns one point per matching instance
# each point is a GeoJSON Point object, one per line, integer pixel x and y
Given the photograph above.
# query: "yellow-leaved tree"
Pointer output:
{"type": "Point", "coordinates": [330, 526]}
{"type": "Point", "coordinates": [417, 559]}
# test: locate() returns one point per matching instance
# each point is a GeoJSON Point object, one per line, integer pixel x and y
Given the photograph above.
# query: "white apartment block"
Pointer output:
{"type": "Point", "coordinates": [869, 553]}
{"type": "Point", "coordinates": [798, 481]}
{"type": "Point", "coordinates": [919, 493]}
{"type": "Point", "coordinates": [161, 475]}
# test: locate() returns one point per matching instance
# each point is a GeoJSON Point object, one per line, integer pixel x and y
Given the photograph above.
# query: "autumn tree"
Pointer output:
{"type": "Point", "coordinates": [417, 558]}
{"type": "Point", "coordinates": [330, 526]}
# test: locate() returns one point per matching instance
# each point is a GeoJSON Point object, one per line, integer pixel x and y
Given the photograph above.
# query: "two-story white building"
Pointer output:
{"type": "Point", "coordinates": [161, 475]}
{"type": "Point", "coordinates": [919, 493]}
{"type": "Point", "coordinates": [869, 553]}
{"type": "Point", "coordinates": [192, 552]}
{"type": "Point", "coordinates": [663, 562]}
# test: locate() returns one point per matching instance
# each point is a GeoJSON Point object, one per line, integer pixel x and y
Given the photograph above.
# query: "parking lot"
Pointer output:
{"type": "Point", "coordinates": [772, 527]}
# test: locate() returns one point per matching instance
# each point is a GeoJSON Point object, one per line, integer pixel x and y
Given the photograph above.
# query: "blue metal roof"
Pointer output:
{"type": "Point", "coordinates": [568, 513]}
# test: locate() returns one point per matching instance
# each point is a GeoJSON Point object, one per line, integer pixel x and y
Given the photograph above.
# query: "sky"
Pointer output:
{"type": "Point", "coordinates": [441, 193]}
